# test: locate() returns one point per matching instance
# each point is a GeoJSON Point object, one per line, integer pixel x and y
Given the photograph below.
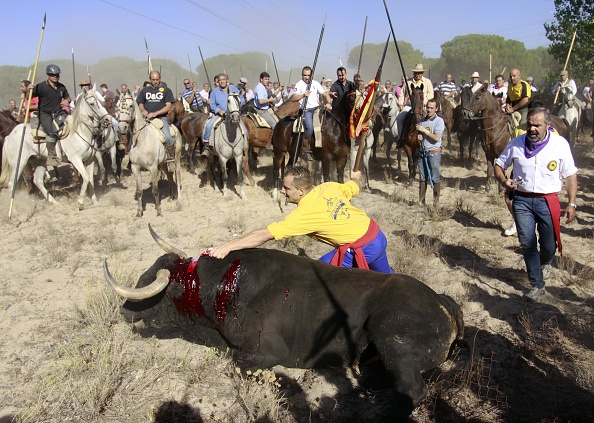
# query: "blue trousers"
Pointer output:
{"type": "Point", "coordinates": [166, 131]}
{"type": "Point", "coordinates": [528, 213]}
{"type": "Point", "coordinates": [375, 254]}
{"type": "Point", "coordinates": [434, 161]}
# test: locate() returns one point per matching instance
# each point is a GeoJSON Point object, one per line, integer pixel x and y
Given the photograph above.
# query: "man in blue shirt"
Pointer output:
{"type": "Point", "coordinates": [431, 128]}
{"type": "Point", "coordinates": [218, 106]}
{"type": "Point", "coordinates": [263, 101]}
{"type": "Point", "coordinates": [191, 96]}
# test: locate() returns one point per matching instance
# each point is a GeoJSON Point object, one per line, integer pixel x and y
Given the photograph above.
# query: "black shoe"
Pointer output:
{"type": "Point", "coordinates": [534, 294]}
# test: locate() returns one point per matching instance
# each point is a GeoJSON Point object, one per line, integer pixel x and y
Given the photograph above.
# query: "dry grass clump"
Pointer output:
{"type": "Point", "coordinates": [115, 199]}
{"type": "Point", "coordinates": [110, 241]}
{"type": "Point", "coordinates": [259, 396]}
{"type": "Point", "coordinates": [573, 273]}
{"type": "Point", "coordinates": [465, 206]}
{"type": "Point", "coordinates": [412, 253]}
{"type": "Point", "coordinates": [439, 213]}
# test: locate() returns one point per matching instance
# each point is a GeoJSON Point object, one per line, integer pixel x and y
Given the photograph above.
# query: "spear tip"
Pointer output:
{"type": "Point", "coordinates": [44, 20]}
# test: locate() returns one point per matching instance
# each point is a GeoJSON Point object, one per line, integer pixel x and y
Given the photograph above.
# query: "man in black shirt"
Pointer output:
{"type": "Point", "coordinates": [340, 87]}
{"type": "Point", "coordinates": [51, 95]}
{"type": "Point", "coordinates": [155, 101]}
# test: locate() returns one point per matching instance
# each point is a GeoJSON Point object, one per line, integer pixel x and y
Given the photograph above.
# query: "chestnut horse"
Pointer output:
{"type": "Point", "coordinates": [468, 130]}
{"type": "Point", "coordinates": [496, 130]}
{"type": "Point", "coordinates": [411, 141]}
{"type": "Point", "coordinates": [446, 112]}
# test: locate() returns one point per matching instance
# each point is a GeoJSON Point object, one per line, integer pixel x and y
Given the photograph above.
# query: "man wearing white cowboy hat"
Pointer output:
{"type": "Point", "coordinates": [475, 82]}
{"type": "Point", "coordinates": [417, 81]}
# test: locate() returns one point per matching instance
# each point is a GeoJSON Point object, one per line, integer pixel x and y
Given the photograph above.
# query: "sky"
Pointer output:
{"type": "Point", "coordinates": [98, 29]}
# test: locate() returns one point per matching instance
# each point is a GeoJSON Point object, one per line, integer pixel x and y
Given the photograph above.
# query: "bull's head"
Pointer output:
{"type": "Point", "coordinates": [156, 286]}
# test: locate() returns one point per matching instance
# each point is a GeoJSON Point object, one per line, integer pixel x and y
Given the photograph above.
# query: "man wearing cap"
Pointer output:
{"type": "Point", "coordinates": [530, 81]}
{"type": "Point", "coordinates": [263, 100]}
{"type": "Point", "coordinates": [341, 86]}
{"type": "Point", "coordinates": [475, 82]}
{"type": "Point", "coordinates": [518, 96]}
{"type": "Point", "coordinates": [565, 81]}
{"type": "Point", "coordinates": [417, 81]}
{"type": "Point", "coordinates": [191, 96]}
{"type": "Point", "coordinates": [51, 94]}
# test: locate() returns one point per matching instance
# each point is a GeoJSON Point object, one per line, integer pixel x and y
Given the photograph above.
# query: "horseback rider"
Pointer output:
{"type": "Point", "coordinates": [262, 100]}
{"type": "Point", "coordinates": [155, 101]}
{"type": "Point", "coordinates": [192, 96]}
{"type": "Point", "coordinates": [52, 94]}
{"type": "Point", "coordinates": [218, 105]}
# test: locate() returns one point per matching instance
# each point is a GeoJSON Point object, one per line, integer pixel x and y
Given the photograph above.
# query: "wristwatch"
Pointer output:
{"type": "Point", "coordinates": [572, 205]}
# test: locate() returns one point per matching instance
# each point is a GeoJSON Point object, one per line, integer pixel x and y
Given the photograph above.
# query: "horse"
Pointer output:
{"type": "Point", "coordinates": [569, 111]}
{"type": "Point", "coordinates": [468, 130]}
{"type": "Point", "coordinates": [191, 125]}
{"type": "Point", "coordinates": [495, 125]}
{"type": "Point", "coordinates": [7, 124]}
{"type": "Point", "coordinates": [367, 153]}
{"type": "Point", "coordinates": [410, 133]}
{"type": "Point", "coordinates": [446, 112]}
{"type": "Point", "coordinates": [229, 142]}
{"type": "Point", "coordinates": [124, 116]}
{"type": "Point", "coordinates": [79, 145]}
{"type": "Point", "coordinates": [107, 142]}
{"type": "Point", "coordinates": [148, 153]}
{"type": "Point", "coordinates": [391, 130]}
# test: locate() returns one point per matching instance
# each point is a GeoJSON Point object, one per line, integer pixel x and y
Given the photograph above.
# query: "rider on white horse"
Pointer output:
{"type": "Point", "coordinates": [154, 101]}
{"type": "Point", "coordinates": [218, 106]}
{"type": "Point", "coordinates": [52, 94]}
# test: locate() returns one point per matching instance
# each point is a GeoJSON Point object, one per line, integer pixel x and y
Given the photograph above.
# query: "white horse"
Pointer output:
{"type": "Point", "coordinates": [79, 146]}
{"type": "Point", "coordinates": [230, 142]}
{"type": "Point", "coordinates": [392, 128]}
{"type": "Point", "coordinates": [148, 153]}
{"type": "Point", "coordinates": [570, 112]}
{"type": "Point", "coordinates": [364, 164]}
{"type": "Point", "coordinates": [124, 115]}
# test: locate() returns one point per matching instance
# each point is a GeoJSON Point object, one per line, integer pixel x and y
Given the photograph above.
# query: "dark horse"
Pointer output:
{"type": "Point", "coordinates": [191, 126]}
{"type": "Point", "coordinates": [495, 125]}
{"type": "Point", "coordinates": [334, 146]}
{"type": "Point", "coordinates": [410, 134]}
{"type": "Point", "coordinates": [446, 112]}
{"type": "Point", "coordinates": [468, 130]}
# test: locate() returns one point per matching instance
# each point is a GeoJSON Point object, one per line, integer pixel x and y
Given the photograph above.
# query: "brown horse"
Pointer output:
{"type": "Point", "coordinates": [496, 130]}
{"type": "Point", "coordinates": [191, 126]}
{"type": "Point", "coordinates": [446, 112]}
{"type": "Point", "coordinates": [410, 133]}
{"type": "Point", "coordinates": [468, 130]}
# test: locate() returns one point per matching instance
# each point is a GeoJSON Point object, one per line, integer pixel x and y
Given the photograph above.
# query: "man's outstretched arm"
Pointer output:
{"type": "Point", "coordinates": [252, 240]}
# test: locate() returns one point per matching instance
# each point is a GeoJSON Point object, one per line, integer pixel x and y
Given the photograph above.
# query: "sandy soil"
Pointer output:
{"type": "Point", "coordinates": [526, 362]}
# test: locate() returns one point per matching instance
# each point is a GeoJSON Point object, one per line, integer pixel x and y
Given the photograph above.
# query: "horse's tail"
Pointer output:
{"type": "Point", "coordinates": [5, 175]}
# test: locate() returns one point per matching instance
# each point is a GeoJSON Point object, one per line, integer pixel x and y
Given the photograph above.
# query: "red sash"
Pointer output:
{"type": "Point", "coordinates": [360, 259]}
{"type": "Point", "coordinates": [555, 209]}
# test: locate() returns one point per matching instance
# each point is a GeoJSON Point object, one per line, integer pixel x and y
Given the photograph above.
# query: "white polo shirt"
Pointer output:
{"type": "Point", "coordinates": [543, 173]}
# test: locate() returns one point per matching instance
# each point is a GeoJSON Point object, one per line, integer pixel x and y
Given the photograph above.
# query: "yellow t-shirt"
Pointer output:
{"type": "Point", "coordinates": [325, 214]}
{"type": "Point", "coordinates": [517, 92]}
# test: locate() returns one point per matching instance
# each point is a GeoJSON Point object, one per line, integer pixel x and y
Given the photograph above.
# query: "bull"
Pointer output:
{"type": "Point", "coordinates": [274, 308]}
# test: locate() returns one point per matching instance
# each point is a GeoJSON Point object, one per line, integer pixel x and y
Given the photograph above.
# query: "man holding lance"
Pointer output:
{"type": "Point", "coordinates": [308, 91]}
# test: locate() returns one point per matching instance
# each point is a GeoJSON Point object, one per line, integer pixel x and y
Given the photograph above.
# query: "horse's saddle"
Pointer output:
{"type": "Point", "coordinates": [219, 121]}
{"type": "Point", "coordinates": [298, 126]}
{"type": "Point", "coordinates": [61, 129]}
{"type": "Point", "coordinates": [258, 120]}
{"type": "Point", "coordinates": [157, 125]}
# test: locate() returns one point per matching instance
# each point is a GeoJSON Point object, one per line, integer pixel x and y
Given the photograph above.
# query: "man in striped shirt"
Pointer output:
{"type": "Point", "coordinates": [448, 89]}
{"type": "Point", "coordinates": [192, 97]}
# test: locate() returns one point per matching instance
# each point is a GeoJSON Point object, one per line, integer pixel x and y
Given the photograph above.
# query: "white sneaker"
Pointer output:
{"type": "Point", "coordinates": [546, 271]}
{"type": "Point", "coordinates": [511, 230]}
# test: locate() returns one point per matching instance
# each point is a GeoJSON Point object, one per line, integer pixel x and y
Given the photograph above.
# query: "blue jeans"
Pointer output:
{"type": "Point", "coordinates": [308, 121]}
{"type": "Point", "coordinates": [208, 128]}
{"type": "Point", "coordinates": [375, 254]}
{"type": "Point", "coordinates": [434, 161]}
{"type": "Point", "coordinates": [528, 213]}
{"type": "Point", "coordinates": [166, 131]}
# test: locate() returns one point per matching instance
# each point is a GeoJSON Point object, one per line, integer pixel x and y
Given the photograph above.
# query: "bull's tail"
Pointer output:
{"type": "Point", "coordinates": [5, 175]}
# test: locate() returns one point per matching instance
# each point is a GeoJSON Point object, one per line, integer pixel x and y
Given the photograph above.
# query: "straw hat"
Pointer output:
{"type": "Point", "coordinates": [243, 80]}
{"type": "Point", "coordinates": [418, 68]}
{"type": "Point", "coordinates": [83, 83]}
{"type": "Point", "coordinates": [475, 75]}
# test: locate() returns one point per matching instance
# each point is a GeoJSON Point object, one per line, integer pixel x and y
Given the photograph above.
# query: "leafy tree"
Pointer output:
{"type": "Point", "coordinates": [572, 16]}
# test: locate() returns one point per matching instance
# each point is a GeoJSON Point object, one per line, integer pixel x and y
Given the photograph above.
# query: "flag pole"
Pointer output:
{"type": "Point", "coordinates": [367, 108]}
{"type": "Point", "coordinates": [397, 49]}
{"type": "Point", "coordinates": [25, 121]}
{"type": "Point", "coordinates": [362, 43]}
{"type": "Point", "coordinates": [73, 73]}
{"type": "Point", "coordinates": [204, 66]}
{"type": "Point", "coordinates": [313, 69]}
{"type": "Point", "coordinates": [148, 55]}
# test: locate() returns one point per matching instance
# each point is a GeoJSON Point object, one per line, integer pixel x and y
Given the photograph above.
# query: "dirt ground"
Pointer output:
{"type": "Point", "coordinates": [525, 362]}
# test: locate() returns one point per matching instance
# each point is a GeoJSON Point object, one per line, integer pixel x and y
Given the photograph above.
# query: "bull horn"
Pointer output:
{"type": "Point", "coordinates": [164, 245]}
{"type": "Point", "coordinates": [149, 291]}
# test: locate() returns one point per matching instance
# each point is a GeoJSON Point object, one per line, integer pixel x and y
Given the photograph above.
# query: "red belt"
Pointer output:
{"type": "Point", "coordinates": [360, 259]}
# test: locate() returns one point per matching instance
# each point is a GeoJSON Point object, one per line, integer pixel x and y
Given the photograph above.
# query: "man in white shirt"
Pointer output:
{"type": "Point", "coordinates": [499, 91]}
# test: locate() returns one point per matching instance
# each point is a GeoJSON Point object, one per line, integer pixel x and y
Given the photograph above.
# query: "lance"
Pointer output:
{"type": "Point", "coordinates": [73, 73]}
{"type": "Point", "coordinates": [290, 73]}
{"type": "Point", "coordinates": [275, 68]}
{"type": "Point", "coordinates": [370, 101]}
{"type": "Point", "coordinates": [89, 76]}
{"type": "Point", "coordinates": [191, 73]}
{"type": "Point", "coordinates": [16, 174]}
{"type": "Point", "coordinates": [362, 43]}
{"type": "Point", "coordinates": [304, 99]}
{"type": "Point", "coordinates": [241, 70]}
{"type": "Point", "coordinates": [148, 55]}
{"type": "Point", "coordinates": [23, 98]}
{"type": "Point", "coordinates": [397, 49]}
{"type": "Point", "coordinates": [566, 62]}
{"type": "Point", "coordinates": [204, 66]}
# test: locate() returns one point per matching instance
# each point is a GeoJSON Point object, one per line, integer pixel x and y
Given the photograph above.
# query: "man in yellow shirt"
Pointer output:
{"type": "Point", "coordinates": [326, 214]}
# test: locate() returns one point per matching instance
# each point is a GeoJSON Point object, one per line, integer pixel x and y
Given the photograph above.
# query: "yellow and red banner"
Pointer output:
{"type": "Point", "coordinates": [361, 121]}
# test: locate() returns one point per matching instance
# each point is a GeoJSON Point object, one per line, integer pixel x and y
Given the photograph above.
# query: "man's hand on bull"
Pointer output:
{"type": "Point", "coordinates": [251, 240]}
{"type": "Point", "coordinates": [221, 251]}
